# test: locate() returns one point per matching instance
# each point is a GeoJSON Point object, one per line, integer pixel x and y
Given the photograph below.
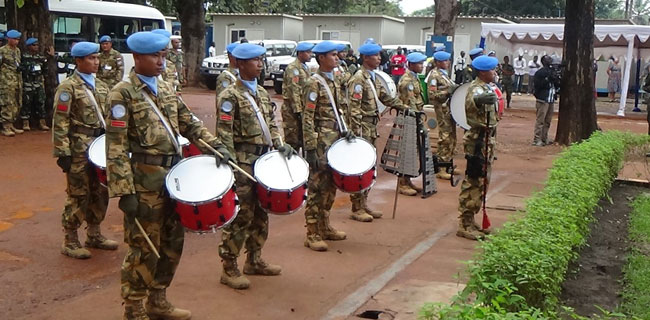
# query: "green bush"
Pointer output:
{"type": "Point", "coordinates": [636, 294]}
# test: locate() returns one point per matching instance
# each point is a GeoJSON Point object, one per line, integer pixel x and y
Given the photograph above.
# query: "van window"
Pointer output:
{"type": "Point", "coordinates": [66, 29]}
{"type": "Point", "coordinates": [284, 49]}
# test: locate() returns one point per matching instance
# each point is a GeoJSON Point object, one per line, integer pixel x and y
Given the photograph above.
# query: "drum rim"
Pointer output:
{"type": "Point", "coordinates": [286, 213]}
{"type": "Point", "coordinates": [374, 180]}
{"type": "Point", "coordinates": [274, 189]}
{"type": "Point", "coordinates": [230, 184]}
{"type": "Point", "coordinates": [90, 146]}
{"type": "Point", "coordinates": [350, 175]}
{"type": "Point", "coordinates": [214, 230]}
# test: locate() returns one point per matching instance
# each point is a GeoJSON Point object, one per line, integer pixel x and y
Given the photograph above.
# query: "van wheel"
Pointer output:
{"type": "Point", "coordinates": [212, 85]}
{"type": "Point", "coordinates": [277, 85]}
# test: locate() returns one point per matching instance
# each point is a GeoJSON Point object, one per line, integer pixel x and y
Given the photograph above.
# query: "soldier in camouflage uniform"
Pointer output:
{"type": "Point", "coordinates": [33, 66]}
{"type": "Point", "coordinates": [246, 126]}
{"type": "Point", "coordinates": [410, 92]}
{"type": "Point", "coordinates": [175, 57]}
{"type": "Point", "coordinates": [295, 76]}
{"type": "Point", "coordinates": [11, 84]}
{"type": "Point", "coordinates": [78, 119]}
{"type": "Point", "coordinates": [365, 91]}
{"type": "Point", "coordinates": [228, 76]}
{"type": "Point", "coordinates": [506, 71]}
{"type": "Point", "coordinates": [469, 74]}
{"type": "Point", "coordinates": [145, 117]}
{"type": "Point", "coordinates": [66, 62]}
{"type": "Point", "coordinates": [111, 64]}
{"type": "Point", "coordinates": [320, 129]}
{"type": "Point", "coordinates": [169, 70]}
{"type": "Point", "coordinates": [481, 111]}
{"type": "Point", "coordinates": [440, 88]}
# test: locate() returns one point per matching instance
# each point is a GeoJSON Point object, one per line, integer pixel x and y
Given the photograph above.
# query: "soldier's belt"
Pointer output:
{"type": "Point", "coordinates": [256, 149]}
{"type": "Point", "coordinates": [93, 132]}
{"type": "Point", "coordinates": [370, 119]}
{"type": "Point", "coordinates": [329, 124]}
{"type": "Point", "coordinates": [156, 160]}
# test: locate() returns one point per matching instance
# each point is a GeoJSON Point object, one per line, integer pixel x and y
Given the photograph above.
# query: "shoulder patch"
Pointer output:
{"type": "Point", "coordinates": [64, 97]}
{"type": "Point", "coordinates": [433, 82]}
{"type": "Point", "coordinates": [226, 106]}
{"type": "Point", "coordinates": [410, 87]}
{"type": "Point", "coordinates": [478, 91]}
{"type": "Point", "coordinates": [313, 96]}
{"type": "Point", "coordinates": [224, 83]}
{"type": "Point", "coordinates": [296, 72]}
{"type": "Point", "coordinates": [358, 88]}
{"type": "Point", "coordinates": [118, 111]}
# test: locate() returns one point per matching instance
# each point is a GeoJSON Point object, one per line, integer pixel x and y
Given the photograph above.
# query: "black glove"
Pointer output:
{"type": "Point", "coordinates": [286, 150]}
{"type": "Point", "coordinates": [64, 163]}
{"type": "Point", "coordinates": [129, 204]}
{"type": "Point", "coordinates": [475, 167]}
{"type": "Point", "coordinates": [486, 98]}
{"type": "Point", "coordinates": [226, 156]}
{"type": "Point", "coordinates": [312, 159]}
{"type": "Point", "coordinates": [348, 135]}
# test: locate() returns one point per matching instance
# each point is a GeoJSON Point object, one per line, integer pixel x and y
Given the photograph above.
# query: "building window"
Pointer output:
{"type": "Point", "coordinates": [236, 35]}
{"type": "Point", "coordinates": [330, 35]}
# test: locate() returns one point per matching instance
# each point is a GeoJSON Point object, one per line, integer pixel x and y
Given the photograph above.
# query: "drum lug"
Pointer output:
{"type": "Point", "coordinates": [199, 225]}
{"type": "Point", "coordinates": [196, 210]}
{"type": "Point", "coordinates": [219, 204]}
{"type": "Point", "coordinates": [289, 194]}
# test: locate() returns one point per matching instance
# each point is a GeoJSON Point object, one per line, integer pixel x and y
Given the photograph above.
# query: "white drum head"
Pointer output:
{"type": "Point", "coordinates": [182, 141]}
{"type": "Point", "coordinates": [97, 152]}
{"type": "Point", "coordinates": [272, 171]}
{"type": "Point", "coordinates": [387, 82]}
{"type": "Point", "coordinates": [352, 158]}
{"type": "Point", "coordinates": [457, 106]}
{"type": "Point", "coordinates": [198, 180]}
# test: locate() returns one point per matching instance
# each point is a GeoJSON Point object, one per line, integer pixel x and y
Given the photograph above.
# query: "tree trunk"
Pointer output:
{"type": "Point", "coordinates": [577, 117]}
{"type": "Point", "coordinates": [191, 14]}
{"type": "Point", "coordinates": [446, 13]}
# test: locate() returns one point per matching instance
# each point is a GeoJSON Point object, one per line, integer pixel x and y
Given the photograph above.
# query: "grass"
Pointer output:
{"type": "Point", "coordinates": [636, 295]}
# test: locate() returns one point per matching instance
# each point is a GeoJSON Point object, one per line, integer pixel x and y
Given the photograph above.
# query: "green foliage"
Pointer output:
{"type": "Point", "coordinates": [543, 8]}
{"type": "Point", "coordinates": [428, 11]}
{"type": "Point", "coordinates": [636, 294]}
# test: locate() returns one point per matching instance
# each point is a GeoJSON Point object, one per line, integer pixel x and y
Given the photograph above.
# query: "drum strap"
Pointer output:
{"type": "Point", "coordinates": [260, 119]}
{"type": "Point", "coordinates": [380, 106]}
{"type": "Point", "coordinates": [95, 106]}
{"type": "Point", "coordinates": [339, 121]}
{"type": "Point", "coordinates": [172, 136]}
{"type": "Point", "coordinates": [232, 76]}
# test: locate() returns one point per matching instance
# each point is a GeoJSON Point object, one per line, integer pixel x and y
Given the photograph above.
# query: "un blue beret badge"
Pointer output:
{"type": "Point", "coordinates": [296, 72]}
{"type": "Point", "coordinates": [226, 106]}
{"type": "Point", "coordinates": [358, 88]}
{"type": "Point", "coordinates": [64, 97]}
{"type": "Point", "coordinates": [118, 111]}
{"type": "Point", "coordinates": [410, 87]}
{"type": "Point", "coordinates": [224, 83]}
{"type": "Point", "coordinates": [312, 96]}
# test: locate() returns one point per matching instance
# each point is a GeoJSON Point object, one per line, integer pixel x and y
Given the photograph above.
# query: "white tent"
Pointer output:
{"type": "Point", "coordinates": [609, 40]}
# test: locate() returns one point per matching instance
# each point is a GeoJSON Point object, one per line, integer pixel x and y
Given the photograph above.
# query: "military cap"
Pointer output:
{"type": "Point", "coordinates": [246, 51]}
{"type": "Point", "coordinates": [324, 47]}
{"type": "Point", "coordinates": [31, 41]}
{"type": "Point", "coordinates": [105, 38]}
{"type": "Point", "coordinates": [485, 63]}
{"type": "Point", "coordinates": [163, 32]}
{"type": "Point", "coordinates": [439, 48]}
{"type": "Point", "coordinates": [84, 48]}
{"type": "Point", "coordinates": [304, 46]}
{"type": "Point", "coordinates": [147, 42]}
{"type": "Point", "coordinates": [369, 49]}
{"type": "Point", "coordinates": [415, 57]}
{"type": "Point", "coordinates": [231, 47]}
{"type": "Point", "coordinates": [13, 34]}
{"type": "Point", "coordinates": [475, 52]}
{"type": "Point", "coordinates": [340, 47]}
{"type": "Point", "coordinates": [441, 56]}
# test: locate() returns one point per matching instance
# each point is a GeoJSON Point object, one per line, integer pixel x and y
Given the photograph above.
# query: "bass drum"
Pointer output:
{"type": "Point", "coordinates": [457, 106]}
{"type": "Point", "coordinates": [388, 83]}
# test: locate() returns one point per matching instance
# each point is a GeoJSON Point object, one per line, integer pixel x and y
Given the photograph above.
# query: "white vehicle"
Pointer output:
{"type": "Point", "coordinates": [84, 20]}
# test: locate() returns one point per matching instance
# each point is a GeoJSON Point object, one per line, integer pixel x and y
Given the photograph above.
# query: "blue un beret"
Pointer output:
{"type": "Point", "coordinates": [475, 52]}
{"type": "Point", "coordinates": [485, 63]}
{"type": "Point", "coordinates": [105, 38]}
{"type": "Point", "coordinates": [232, 47]}
{"type": "Point", "coordinates": [31, 41]}
{"type": "Point", "coordinates": [147, 42]}
{"type": "Point", "coordinates": [13, 34]}
{"type": "Point", "coordinates": [84, 48]}
{"type": "Point", "coordinates": [341, 47]}
{"type": "Point", "coordinates": [441, 56]}
{"type": "Point", "coordinates": [324, 47]}
{"type": "Point", "coordinates": [369, 49]}
{"type": "Point", "coordinates": [246, 51]}
{"type": "Point", "coordinates": [415, 57]}
{"type": "Point", "coordinates": [304, 46]}
{"type": "Point", "coordinates": [162, 32]}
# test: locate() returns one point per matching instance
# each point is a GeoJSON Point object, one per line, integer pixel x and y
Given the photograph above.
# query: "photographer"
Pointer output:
{"type": "Point", "coordinates": [547, 83]}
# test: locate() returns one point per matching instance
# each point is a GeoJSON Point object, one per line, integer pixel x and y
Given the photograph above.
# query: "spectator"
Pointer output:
{"type": "Point", "coordinates": [547, 83]}
{"type": "Point", "coordinates": [613, 78]}
{"type": "Point", "coordinates": [533, 66]}
{"type": "Point", "coordinates": [398, 63]}
{"type": "Point", "coordinates": [212, 51]}
{"type": "Point", "coordinates": [520, 70]}
{"type": "Point", "coordinates": [351, 61]}
{"type": "Point", "coordinates": [459, 65]}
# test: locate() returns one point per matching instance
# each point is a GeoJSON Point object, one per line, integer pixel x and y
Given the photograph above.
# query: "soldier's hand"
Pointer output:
{"type": "Point", "coordinates": [128, 204]}
{"type": "Point", "coordinates": [50, 51]}
{"type": "Point", "coordinates": [286, 150]}
{"type": "Point", "coordinates": [486, 98]}
{"type": "Point", "coordinates": [348, 135]}
{"type": "Point", "coordinates": [225, 155]}
{"type": "Point", "coordinates": [64, 163]}
{"type": "Point", "coordinates": [312, 159]}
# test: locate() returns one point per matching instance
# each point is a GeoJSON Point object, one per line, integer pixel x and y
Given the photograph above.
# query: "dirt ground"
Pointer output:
{"type": "Point", "coordinates": [393, 265]}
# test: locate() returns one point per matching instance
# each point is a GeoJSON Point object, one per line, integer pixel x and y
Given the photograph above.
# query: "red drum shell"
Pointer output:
{"type": "Point", "coordinates": [97, 157]}
{"type": "Point", "coordinates": [353, 164]}
{"type": "Point", "coordinates": [276, 192]}
{"type": "Point", "coordinates": [210, 216]}
{"type": "Point", "coordinates": [355, 183]}
{"type": "Point", "coordinates": [189, 149]}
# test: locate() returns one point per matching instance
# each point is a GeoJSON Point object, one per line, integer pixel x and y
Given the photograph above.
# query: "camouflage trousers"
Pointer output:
{"type": "Point", "coordinates": [446, 133]}
{"type": "Point", "coordinates": [10, 101]}
{"type": "Point", "coordinates": [507, 89]}
{"type": "Point", "coordinates": [471, 196]}
{"type": "Point", "coordinates": [320, 199]}
{"type": "Point", "coordinates": [292, 123]}
{"type": "Point", "coordinates": [33, 104]}
{"type": "Point", "coordinates": [251, 226]}
{"type": "Point", "coordinates": [359, 199]}
{"type": "Point", "coordinates": [87, 200]}
{"type": "Point", "coordinates": [141, 269]}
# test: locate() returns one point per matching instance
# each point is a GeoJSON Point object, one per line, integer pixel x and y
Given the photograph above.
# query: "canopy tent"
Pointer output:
{"type": "Point", "coordinates": [609, 40]}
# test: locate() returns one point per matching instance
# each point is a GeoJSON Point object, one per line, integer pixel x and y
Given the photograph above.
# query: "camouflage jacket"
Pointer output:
{"type": "Point", "coordinates": [225, 79]}
{"type": "Point", "coordinates": [468, 74]}
{"type": "Point", "coordinates": [410, 91]}
{"type": "Point", "coordinates": [170, 75]}
{"type": "Point", "coordinates": [237, 122]}
{"type": "Point", "coordinates": [319, 126]}
{"type": "Point", "coordinates": [477, 117]}
{"type": "Point", "coordinates": [74, 109]}
{"type": "Point", "coordinates": [505, 72]}
{"type": "Point", "coordinates": [362, 107]}
{"type": "Point", "coordinates": [33, 67]}
{"type": "Point", "coordinates": [66, 64]}
{"type": "Point", "coordinates": [295, 77]}
{"type": "Point", "coordinates": [177, 59]}
{"type": "Point", "coordinates": [111, 67]}
{"type": "Point", "coordinates": [10, 76]}
{"type": "Point", "coordinates": [132, 126]}
{"type": "Point", "coordinates": [438, 85]}
{"type": "Point", "coordinates": [342, 73]}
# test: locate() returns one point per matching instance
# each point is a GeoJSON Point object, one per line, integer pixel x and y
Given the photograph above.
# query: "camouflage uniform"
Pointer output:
{"type": "Point", "coordinates": [410, 92]}
{"type": "Point", "coordinates": [239, 130]}
{"type": "Point", "coordinates": [363, 115]}
{"type": "Point", "coordinates": [470, 197]}
{"type": "Point", "coordinates": [505, 72]}
{"type": "Point", "coordinates": [10, 85]}
{"type": "Point", "coordinates": [132, 126]}
{"type": "Point", "coordinates": [320, 129]}
{"type": "Point", "coordinates": [33, 67]}
{"type": "Point", "coordinates": [439, 87]}
{"type": "Point", "coordinates": [225, 79]}
{"type": "Point", "coordinates": [469, 74]}
{"type": "Point", "coordinates": [646, 88]}
{"type": "Point", "coordinates": [177, 59]}
{"type": "Point", "coordinates": [69, 65]}
{"type": "Point", "coordinates": [111, 67]}
{"type": "Point", "coordinates": [295, 76]}
{"type": "Point", "coordinates": [169, 75]}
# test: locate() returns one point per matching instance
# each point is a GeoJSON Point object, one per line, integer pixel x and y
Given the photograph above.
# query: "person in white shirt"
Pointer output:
{"type": "Point", "coordinates": [533, 66]}
{"type": "Point", "coordinates": [459, 65]}
{"type": "Point", "coordinates": [520, 70]}
{"type": "Point", "coordinates": [212, 51]}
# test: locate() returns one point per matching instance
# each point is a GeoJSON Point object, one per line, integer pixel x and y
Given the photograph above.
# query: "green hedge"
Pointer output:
{"type": "Point", "coordinates": [519, 271]}
{"type": "Point", "coordinates": [636, 295]}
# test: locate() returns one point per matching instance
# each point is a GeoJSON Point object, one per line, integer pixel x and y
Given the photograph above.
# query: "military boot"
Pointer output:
{"type": "Point", "coordinates": [256, 265]}
{"type": "Point", "coordinates": [314, 240]}
{"type": "Point", "coordinates": [443, 175]}
{"type": "Point", "coordinates": [405, 188]}
{"type": "Point", "coordinates": [466, 229]}
{"type": "Point", "coordinates": [134, 310]}
{"type": "Point", "coordinates": [414, 187]}
{"type": "Point", "coordinates": [480, 229]}
{"type": "Point", "coordinates": [159, 308]}
{"type": "Point", "coordinates": [14, 129]}
{"type": "Point", "coordinates": [26, 125]}
{"type": "Point", "coordinates": [374, 213]}
{"type": "Point", "coordinates": [359, 214]}
{"type": "Point", "coordinates": [97, 240]}
{"type": "Point", "coordinates": [457, 172]}
{"type": "Point", "coordinates": [327, 231]}
{"type": "Point", "coordinates": [232, 277]}
{"type": "Point", "coordinates": [42, 125]}
{"type": "Point", "coordinates": [71, 246]}
{"type": "Point", "coordinates": [6, 131]}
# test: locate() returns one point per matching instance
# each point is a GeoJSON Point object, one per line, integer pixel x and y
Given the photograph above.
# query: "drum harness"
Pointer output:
{"type": "Point", "coordinates": [339, 121]}
{"type": "Point", "coordinates": [95, 106]}
{"type": "Point", "coordinates": [168, 128]}
{"type": "Point", "coordinates": [260, 119]}
{"type": "Point", "coordinates": [380, 106]}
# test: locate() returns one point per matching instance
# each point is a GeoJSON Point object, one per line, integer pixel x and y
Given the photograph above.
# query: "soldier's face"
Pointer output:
{"type": "Point", "coordinates": [372, 61]}
{"type": "Point", "coordinates": [328, 61]}
{"type": "Point", "coordinates": [442, 64]}
{"type": "Point", "coordinates": [106, 46]}
{"type": "Point", "coordinates": [416, 67]}
{"type": "Point", "coordinates": [150, 65]}
{"type": "Point", "coordinates": [250, 69]}
{"type": "Point", "coordinates": [33, 48]}
{"type": "Point", "coordinates": [13, 42]}
{"type": "Point", "coordinates": [487, 76]}
{"type": "Point", "coordinates": [304, 56]}
{"type": "Point", "coordinates": [176, 43]}
{"type": "Point", "coordinates": [88, 64]}
{"type": "Point", "coordinates": [343, 55]}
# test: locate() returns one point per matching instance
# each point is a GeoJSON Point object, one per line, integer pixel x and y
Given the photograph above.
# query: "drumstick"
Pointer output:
{"type": "Point", "coordinates": [232, 164]}
{"type": "Point", "coordinates": [285, 160]}
{"type": "Point", "coordinates": [146, 237]}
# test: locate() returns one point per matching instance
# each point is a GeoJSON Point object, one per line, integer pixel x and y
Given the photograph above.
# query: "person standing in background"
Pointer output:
{"type": "Point", "coordinates": [533, 66]}
{"type": "Point", "coordinates": [520, 70]}
{"type": "Point", "coordinates": [212, 52]}
{"type": "Point", "coordinates": [397, 65]}
{"type": "Point", "coordinates": [459, 65]}
{"type": "Point", "coordinates": [613, 79]}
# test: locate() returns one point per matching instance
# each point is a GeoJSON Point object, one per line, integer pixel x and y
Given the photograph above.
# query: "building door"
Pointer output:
{"type": "Point", "coordinates": [461, 43]}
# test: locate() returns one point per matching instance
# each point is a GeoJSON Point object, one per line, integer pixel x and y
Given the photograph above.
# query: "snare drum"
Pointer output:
{"type": "Point", "coordinates": [353, 164]}
{"type": "Point", "coordinates": [281, 184]}
{"type": "Point", "coordinates": [500, 99]}
{"type": "Point", "coordinates": [97, 156]}
{"type": "Point", "coordinates": [189, 149]}
{"type": "Point", "coordinates": [204, 193]}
